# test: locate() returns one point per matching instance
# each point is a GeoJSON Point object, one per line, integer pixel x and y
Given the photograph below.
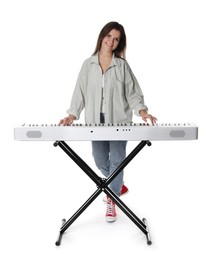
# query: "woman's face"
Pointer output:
{"type": "Point", "coordinates": [111, 41]}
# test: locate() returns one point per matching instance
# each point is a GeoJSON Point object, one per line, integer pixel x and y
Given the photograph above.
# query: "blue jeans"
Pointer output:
{"type": "Point", "coordinates": [108, 155]}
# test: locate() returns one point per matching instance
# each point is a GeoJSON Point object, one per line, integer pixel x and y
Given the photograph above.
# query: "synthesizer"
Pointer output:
{"type": "Point", "coordinates": [93, 132]}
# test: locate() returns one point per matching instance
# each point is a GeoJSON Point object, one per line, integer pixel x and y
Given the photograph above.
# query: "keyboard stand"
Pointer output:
{"type": "Point", "coordinates": [102, 186]}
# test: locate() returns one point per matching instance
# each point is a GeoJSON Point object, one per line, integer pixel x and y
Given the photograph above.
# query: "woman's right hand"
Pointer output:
{"type": "Point", "coordinates": [67, 120]}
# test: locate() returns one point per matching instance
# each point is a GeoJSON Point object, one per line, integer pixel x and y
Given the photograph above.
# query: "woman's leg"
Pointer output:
{"type": "Point", "coordinates": [100, 152]}
{"type": "Point", "coordinates": [117, 155]}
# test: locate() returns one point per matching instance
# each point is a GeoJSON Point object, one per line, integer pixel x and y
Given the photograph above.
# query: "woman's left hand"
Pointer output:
{"type": "Point", "coordinates": [146, 116]}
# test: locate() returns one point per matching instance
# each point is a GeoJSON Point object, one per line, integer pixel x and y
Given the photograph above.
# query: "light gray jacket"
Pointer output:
{"type": "Point", "coordinates": [121, 89]}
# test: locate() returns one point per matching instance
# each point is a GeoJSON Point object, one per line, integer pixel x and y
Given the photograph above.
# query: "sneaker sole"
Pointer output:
{"type": "Point", "coordinates": [110, 219]}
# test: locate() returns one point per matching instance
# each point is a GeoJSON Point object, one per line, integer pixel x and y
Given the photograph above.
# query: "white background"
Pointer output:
{"type": "Point", "coordinates": [42, 46]}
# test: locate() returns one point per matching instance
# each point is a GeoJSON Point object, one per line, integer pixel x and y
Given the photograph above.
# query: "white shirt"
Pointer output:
{"type": "Point", "coordinates": [103, 99]}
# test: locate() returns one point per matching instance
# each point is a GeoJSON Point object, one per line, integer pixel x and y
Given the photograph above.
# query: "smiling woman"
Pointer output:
{"type": "Point", "coordinates": [109, 92]}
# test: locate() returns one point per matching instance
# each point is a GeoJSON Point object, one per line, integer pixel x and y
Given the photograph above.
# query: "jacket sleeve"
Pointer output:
{"type": "Point", "coordinates": [133, 92]}
{"type": "Point", "coordinates": [78, 97]}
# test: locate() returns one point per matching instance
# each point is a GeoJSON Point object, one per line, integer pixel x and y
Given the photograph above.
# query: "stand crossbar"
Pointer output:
{"type": "Point", "coordinates": [102, 186]}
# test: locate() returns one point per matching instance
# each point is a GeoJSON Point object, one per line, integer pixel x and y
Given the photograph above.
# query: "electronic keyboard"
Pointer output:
{"type": "Point", "coordinates": [93, 132]}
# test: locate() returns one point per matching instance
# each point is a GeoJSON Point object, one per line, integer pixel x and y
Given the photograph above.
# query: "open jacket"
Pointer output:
{"type": "Point", "coordinates": [122, 93]}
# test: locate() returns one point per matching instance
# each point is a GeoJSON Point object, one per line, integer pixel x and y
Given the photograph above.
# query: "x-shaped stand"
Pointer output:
{"type": "Point", "coordinates": [102, 186]}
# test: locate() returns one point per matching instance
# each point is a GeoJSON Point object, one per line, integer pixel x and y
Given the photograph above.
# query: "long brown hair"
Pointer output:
{"type": "Point", "coordinates": [120, 50]}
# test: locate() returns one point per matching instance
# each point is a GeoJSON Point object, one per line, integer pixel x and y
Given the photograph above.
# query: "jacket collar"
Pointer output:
{"type": "Point", "coordinates": [115, 61]}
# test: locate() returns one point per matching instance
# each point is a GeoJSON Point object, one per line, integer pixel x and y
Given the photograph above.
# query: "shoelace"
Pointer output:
{"type": "Point", "coordinates": [110, 207]}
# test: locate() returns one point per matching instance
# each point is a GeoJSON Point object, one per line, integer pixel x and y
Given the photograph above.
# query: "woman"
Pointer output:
{"type": "Point", "coordinates": [109, 92]}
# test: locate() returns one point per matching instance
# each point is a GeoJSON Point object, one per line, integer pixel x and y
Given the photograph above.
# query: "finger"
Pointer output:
{"type": "Point", "coordinates": [64, 122]}
{"type": "Point", "coordinates": [151, 119]}
{"type": "Point", "coordinates": [154, 120]}
{"type": "Point", "coordinates": [61, 122]}
{"type": "Point", "coordinates": [69, 122]}
{"type": "Point", "coordinates": [144, 119]}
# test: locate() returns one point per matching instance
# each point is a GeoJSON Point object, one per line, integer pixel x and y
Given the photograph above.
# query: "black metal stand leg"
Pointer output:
{"type": "Point", "coordinates": [141, 225]}
{"type": "Point", "coordinates": [102, 185]}
{"type": "Point", "coordinates": [58, 241]}
{"type": "Point", "coordinates": [80, 210]}
{"type": "Point", "coordinates": [149, 242]}
{"type": "Point", "coordinates": [127, 160]}
{"type": "Point", "coordinates": [78, 160]}
{"type": "Point", "coordinates": [66, 224]}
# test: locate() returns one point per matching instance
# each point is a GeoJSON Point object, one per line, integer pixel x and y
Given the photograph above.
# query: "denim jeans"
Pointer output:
{"type": "Point", "coordinates": [108, 155]}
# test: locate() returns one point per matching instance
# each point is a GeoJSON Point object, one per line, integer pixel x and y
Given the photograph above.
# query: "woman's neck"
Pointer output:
{"type": "Point", "coordinates": [105, 54]}
{"type": "Point", "coordinates": [105, 60]}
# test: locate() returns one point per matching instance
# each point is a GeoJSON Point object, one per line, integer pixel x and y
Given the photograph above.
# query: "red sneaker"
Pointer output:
{"type": "Point", "coordinates": [124, 190]}
{"type": "Point", "coordinates": [111, 211]}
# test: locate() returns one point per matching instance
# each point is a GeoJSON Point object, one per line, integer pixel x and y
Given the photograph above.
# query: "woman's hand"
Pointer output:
{"type": "Point", "coordinates": [146, 116]}
{"type": "Point", "coordinates": [67, 120]}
